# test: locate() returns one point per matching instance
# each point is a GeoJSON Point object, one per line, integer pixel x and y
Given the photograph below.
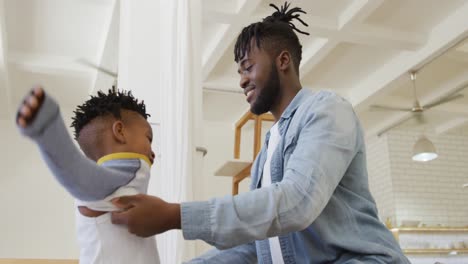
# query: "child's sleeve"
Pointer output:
{"type": "Point", "coordinates": [81, 177]}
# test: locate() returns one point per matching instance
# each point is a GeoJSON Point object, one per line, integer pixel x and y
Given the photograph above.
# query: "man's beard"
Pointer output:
{"type": "Point", "coordinates": [268, 95]}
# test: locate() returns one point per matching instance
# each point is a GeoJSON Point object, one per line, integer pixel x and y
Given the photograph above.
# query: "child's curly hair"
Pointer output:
{"type": "Point", "coordinates": [103, 104]}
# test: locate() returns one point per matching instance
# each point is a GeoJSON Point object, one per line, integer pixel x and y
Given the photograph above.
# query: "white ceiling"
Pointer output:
{"type": "Point", "coordinates": [41, 43]}
{"type": "Point", "coordinates": [362, 49]}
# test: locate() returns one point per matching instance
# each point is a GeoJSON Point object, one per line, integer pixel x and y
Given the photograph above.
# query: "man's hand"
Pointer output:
{"type": "Point", "coordinates": [146, 215]}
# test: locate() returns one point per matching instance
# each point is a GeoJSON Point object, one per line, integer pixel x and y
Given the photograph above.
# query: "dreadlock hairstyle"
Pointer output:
{"type": "Point", "coordinates": [104, 104]}
{"type": "Point", "coordinates": [275, 33]}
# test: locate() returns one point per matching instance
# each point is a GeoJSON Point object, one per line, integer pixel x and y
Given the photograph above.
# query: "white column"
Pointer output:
{"type": "Point", "coordinates": [159, 62]}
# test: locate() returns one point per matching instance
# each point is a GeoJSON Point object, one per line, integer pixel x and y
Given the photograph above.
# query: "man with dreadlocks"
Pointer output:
{"type": "Point", "coordinates": [112, 130]}
{"type": "Point", "coordinates": [310, 201]}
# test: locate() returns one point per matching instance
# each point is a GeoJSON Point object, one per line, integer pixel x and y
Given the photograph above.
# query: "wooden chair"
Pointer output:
{"type": "Point", "coordinates": [240, 169]}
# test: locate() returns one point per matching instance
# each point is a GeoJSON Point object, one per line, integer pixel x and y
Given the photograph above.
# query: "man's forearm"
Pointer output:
{"type": "Point", "coordinates": [175, 222]}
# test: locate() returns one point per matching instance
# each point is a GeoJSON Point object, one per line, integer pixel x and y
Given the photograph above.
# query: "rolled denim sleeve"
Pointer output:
{"type": "Point", "coordinates": [196, 220]}
{"type": "Point", "coordinates": [239, 255]}
{"type": "Point", "coordinates": [323, 149]}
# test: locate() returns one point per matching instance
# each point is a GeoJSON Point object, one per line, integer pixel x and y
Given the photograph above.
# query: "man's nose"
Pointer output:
{"type": "Point", "coordinates": [243, 82]}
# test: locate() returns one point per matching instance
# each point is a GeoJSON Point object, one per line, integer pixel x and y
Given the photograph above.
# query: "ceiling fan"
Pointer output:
{"type": "Point", "coordinates": [418, 109]}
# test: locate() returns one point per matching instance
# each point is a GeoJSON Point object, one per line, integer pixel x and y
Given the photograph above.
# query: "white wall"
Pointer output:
{"type": "Point", "coordinates": [37, 215]}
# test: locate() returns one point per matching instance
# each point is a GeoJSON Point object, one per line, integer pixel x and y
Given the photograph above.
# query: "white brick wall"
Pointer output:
{"type": "Point", "coordinates": [430, 192]}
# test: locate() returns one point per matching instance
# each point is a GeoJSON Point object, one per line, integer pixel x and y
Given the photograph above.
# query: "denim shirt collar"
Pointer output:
{"type": "Point", "coordinates": [295, 103]}
{"type": "Point", "coordinates": [289, 111]}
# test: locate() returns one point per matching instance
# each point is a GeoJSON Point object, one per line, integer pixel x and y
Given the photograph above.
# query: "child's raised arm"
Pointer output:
{"type": "Point", "coordinates": [39, 118]}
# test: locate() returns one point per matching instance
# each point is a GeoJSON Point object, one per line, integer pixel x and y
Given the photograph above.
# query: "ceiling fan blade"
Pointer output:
{"type": "Point", "coordinates": [389, 108]}
{"type": "Point", "coordinates": [444, 100]}
{"type": "Point", "coordinates": [459, 88]}
{"type": "Point", "coordinates": [394, 125]}
{"type": "Point", "coordinates": [99, 68]}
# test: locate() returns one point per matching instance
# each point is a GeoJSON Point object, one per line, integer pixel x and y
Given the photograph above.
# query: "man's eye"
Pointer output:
{"type": "Point", "coordinates": [248, 69]}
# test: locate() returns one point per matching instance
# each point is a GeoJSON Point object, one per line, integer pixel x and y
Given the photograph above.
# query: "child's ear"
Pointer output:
{"type": "Point", "coordinates": [118, 131]}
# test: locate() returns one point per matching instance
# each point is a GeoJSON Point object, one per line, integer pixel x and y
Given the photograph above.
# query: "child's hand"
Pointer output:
{"type": "Point", "coordinates": [30, 106]}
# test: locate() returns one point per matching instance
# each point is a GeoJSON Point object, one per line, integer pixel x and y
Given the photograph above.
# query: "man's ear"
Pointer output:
{"type": "Point", "coordinates": [118, 131]}
{"type": "Point", "coordinates": [284, 61]}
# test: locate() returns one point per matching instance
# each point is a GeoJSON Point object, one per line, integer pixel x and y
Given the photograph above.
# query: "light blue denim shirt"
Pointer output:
{"type": "Point", "coordinates": [319, 203]}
